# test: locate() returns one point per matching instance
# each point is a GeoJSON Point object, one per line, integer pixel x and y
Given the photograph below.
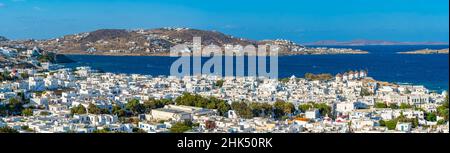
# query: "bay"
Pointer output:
{"type": "Point", "coordinates": [382, 63]}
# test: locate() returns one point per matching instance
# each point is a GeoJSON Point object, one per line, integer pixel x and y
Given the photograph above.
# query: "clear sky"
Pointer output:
{"type": "Point", "coordinates": [298, 20]}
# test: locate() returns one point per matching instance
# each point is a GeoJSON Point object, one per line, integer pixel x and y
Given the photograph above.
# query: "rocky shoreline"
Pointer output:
{"type": "Point", "coordinates": [426, 51]}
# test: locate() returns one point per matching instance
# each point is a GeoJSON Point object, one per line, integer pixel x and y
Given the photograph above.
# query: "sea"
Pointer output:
{"type": "Point", "coordinates": [382, 63]}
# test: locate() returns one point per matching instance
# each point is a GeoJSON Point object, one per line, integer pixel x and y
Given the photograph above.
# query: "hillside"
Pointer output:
{"type": "Point", "coordinates": [3, 38]}
{"type": "Point", "coordinates": [105, 34]}
{"type": "Point", "coordinates": [153, 42]}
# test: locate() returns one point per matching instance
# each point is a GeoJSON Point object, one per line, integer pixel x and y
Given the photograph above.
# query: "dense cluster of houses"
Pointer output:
{"type": "Point", "coordinates": [351, 95]}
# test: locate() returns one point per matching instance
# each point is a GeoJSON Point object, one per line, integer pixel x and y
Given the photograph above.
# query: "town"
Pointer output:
{"type": "Point", "coordinates": [38, 96]}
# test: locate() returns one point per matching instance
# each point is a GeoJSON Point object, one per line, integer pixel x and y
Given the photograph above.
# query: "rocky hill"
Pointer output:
{"type": "Point", "coordinates": [105, 34]}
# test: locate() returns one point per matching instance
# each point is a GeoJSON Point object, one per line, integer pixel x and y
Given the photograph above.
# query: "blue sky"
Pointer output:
{"type": "Point", "coordinates": [299, 20]}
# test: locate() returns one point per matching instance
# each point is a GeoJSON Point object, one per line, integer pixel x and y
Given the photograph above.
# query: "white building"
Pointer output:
{"type": "Point", "coordinates": [149, 128]}
{"type": "Point", "coordinates": [36, 84]}
{"type": "Point", "coordinates": [170, 114]}
{"type": "Point", "coordinates": [41, 101]}
{"type": "Point", "coordinates": [345, 107]}
{"type": "Point", "coordinates": [405, 127]}
{"type": "Point", "coordinates": [312, 114]}
{"type": "Point", "coordinates": [102, 119]}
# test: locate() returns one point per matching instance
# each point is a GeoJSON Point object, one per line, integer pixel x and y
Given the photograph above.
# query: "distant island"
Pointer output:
{"type": "Point", "coordinates": [362, 42]}
{"type": "Point", "coordinates": [426, 51]}
{"type": "Point", "coordinates": [157, 42]}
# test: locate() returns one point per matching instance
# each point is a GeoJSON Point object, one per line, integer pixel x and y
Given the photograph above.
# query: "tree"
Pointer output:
{"type": "Point", "coordinates": [138, 130]}
{"type": "Point", "coordinates": [154, 104]}
{"type": "Point", "coordinates": [5, 76]}
{"type": "Point", "coordinates": [211, 106]}
{"type": "Point", "coordinates": [22, 96]}
{"type": "Point", "coordinates": [323, 108]}
{"type": "Point", "coordinates": [282, 108]}
{"type": "Point", "coordinates": [431, 117]}
{"type": "Point", "coordinates": [382, 123]}
{"type": "Point", "coordinates": [27, 112]}
{"type": "Point", "coordinates": [289, 108]}
{"type": "Point", "coordinates": [223, 108]}
{"type": "Point", "coordinates": [14, 101]}
{"type": "Point", "coordinates": [7, 129]}
{"type": "Point", "coordinates": [267, 108]}
{"type": "Point", "coordinates": [3, 111]}
{"type": "Point", "coordinates": [256, 108]}
{"type": "Point", "coordinates": [15, 105]}
{"type": "Point", "coordinates": [304, 107]}
{"type": "Point", "coordinates": [180, 127]}
{"type": "Point", "coordinates": [210, 103]}
{"type": "Point", "coordinates": [119, 111]}
{"type": "Point", "coordinates": [446, 101]}
{"type": "Point", "coordinates": [415, 122]}
{"type": "Point", "coordinates": [260, 109]}
{"type": "Point", "coordinates": [391, 124]}
{"type": "Point", "coordinates": [26, 128]}
{"type": "Point", "coordinates": [44, 113]}
{"type": "Point", "coordinates": [149, 105]}
{"type": "Point", "coordinates": [443, 112]}
{"type": "Point", "coordinates": [162, 102]}
{"type": "Point", "coordinates": [278, 109]}
{"type": "Point", "coordinates": [104, 111]}
{"type": "Point", "coordinates": [365, 92]}
{"type": "Point", "coordinates": [443, 109]}
{"type": "Point", "coordinates": [104, 130]}
{"type": "Point", "coordinates": [219, 83]}
{"type": "Point", "coordinates": [188, 99]}
{"type": "Point", "coordinates": [393, 106]}
{"type": "Point", "coordinates": [135, 107]}
{"type": "Point", "coordinates": [221, 105]}
{"type": "Point", "coordinates": [242, 109]}
{"type": "Point", "coordinates": [405, 106]}
{"type": "Point", "coordinates": [380, 105]}
{"type": "Point", "coordinates": [80, 109]}
{"type": "Point", "coordinates": [24, 75]}
{"type": "Point", "coordinates": [93, 109]}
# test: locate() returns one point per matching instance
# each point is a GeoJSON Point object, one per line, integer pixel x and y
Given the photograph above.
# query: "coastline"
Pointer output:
{"type": "Point", "coordinates": [427, 51]}
{"type": "Point", "coordinates": [167, 54]}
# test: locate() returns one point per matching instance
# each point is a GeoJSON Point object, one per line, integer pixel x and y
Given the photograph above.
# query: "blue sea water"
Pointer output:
{"type": "Point", "coordinates": [382, 64]}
